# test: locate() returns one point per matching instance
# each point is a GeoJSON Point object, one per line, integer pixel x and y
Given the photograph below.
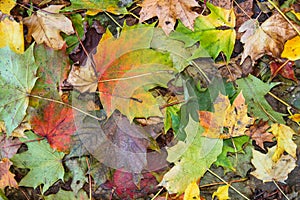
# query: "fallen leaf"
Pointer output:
{"type": "Point", "coordinates": [45, 26]}
{"type": "Point", "coordinates": [78, 169]}
{"type": "Point", "coordinates": [295, 117]}
{"type": "Point", "coordinates": [19, 131]}
{"type": "Point", "coordinates": [15, 86]}
{"type": "Point", "coordinates": [291, 49]}
{"type": "Point", "coordinates": [56, 124]}
{"type": "Point", "coordinates": [259, 133]}
{"type": "Point", "coordinates": [67, 195]}
{"type": "Point", "coordinates": [191, 158]}
{"type": "Point", "coordinates": [267, 38]}
{"type": "Point", "coordinates": [44, 163]}
{"type": "Point", "coordinates": [6, 177]}
{"type": "Point", "coordinates": [267, 170]}
{"type": "Point", "coordinates": [226, 121]}
{"type": "Point", "coordinates": [192, 192]}
{"type": "Point", "coordinates": [168, 11]}
{"type": "Point", "coordinates": [286, 71]}
{"type": "Point", "coordinates": [285, 143]}
{"type": "Point", "coordinates": [11, 34]}
{"type": "Point", "coordinates": [255, 98]}
{"type": "Point", "coordinates": [215, 32]}
{"type": "Point", "coordinates": [242, 12]}
{"type": "Point", "coordinates": [6, 6]}
{"type": "Point", "coordinates": [221, 193]}
{"type": "Point", "coordinates": [8, 146]}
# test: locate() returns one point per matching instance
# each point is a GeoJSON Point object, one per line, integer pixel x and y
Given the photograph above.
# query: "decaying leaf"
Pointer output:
{"type": "Point", "coordinates": [8, 146]}
{"type": "Point", "coordinates": [284, 137]}
{"type": "Point", "coordinates": [6, 6]}
{"type": "Point", "coordinates": [259, 133]}
{"type": "Point", "coordinates": [6, 177]}
{"type": "Point", "coordinates": [291, 49]}
{"type": "Point", "coordinates": [284, 69]}
{"type": "Point", "coordinates": [56, 124]}
{"type": "Point", "coordinates": [17, 78]}
{"type": "Point", "coordinates": [19, 131]}
{"type": "Point", "coordinates": [226, 121]}
{"type": "Point", "coordinates": [168, 11]}
{"type": "Point", "coordinates": [44, 163]}
{"type": "Point", "coordinates": [268, 170]}
{"type": "Point", "coordinates": [45, 26]}
{"type": "Point", "coordinates": [11, 34]}
{"type": "Point", "coordinates": [221, 193]}
{"type": "Point", "coordinates": [192, 192]}
{"type": "Point", "coordinates": [269, 38]}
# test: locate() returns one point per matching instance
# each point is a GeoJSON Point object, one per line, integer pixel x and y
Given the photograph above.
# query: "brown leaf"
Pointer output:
{"type": "Point", "coordinates": [6, 177]}
{"type": "Point", "coordinates": [258, 132]}
{"type": "Point", "coordinates": [284, 69]}
{"type": "Point", "coordinates": [243, 11]}
{"type": "Point", "coordinates": [269, 38]}
{"type": "Point", "coordinates": [46, 24]}
{"type": "Point", "coordinates": [226, 4]}
{"type": "Point", "coordinates": [8, 146]}
{"type": "Point", "coordinates": [168, 11]}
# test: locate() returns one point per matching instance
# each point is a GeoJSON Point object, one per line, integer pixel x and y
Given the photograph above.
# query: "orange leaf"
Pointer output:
{"type": "Point", "coordinates": [56, 124]}
{"type": "Point", "coordinates": [6, 177]}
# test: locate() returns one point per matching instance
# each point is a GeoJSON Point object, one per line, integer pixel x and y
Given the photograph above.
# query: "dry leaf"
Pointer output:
{"type": "Point", "coordinates": [168, 11]}
{"type": "Point", "coordinates": [284, 135]}
{"type": "Point", "coordinates": [6, 177]}
{"type": "Point", "coordinates": [221, 193]}
{"type": "Point", "coordinates": [46, 24]}
{"type": "Point", "coordinates": [192, 192]}
{"type": "Point", "coordinates": [268, 38]}
{"type": "Point", "coordinates": [258, 132]}
{"type": "Point", "coordinates": [267, 170]}
{"type": "Point", "coordinates": [227, 121]}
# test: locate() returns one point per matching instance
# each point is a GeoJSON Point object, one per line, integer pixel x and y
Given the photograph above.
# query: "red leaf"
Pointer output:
{"type": "Point", "coordinates": [285, 70]}
{"type": "Point", "coordinates": [56, 123]}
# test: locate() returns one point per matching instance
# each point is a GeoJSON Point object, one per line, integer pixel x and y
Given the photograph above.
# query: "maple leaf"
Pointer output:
{"type": "Point", "coordinates": [67, 195]}
{"type": "Point", "coordinates": [45, 164]}
{"type": "Point", "coordinates": [8, 146]}
{"type": "Point", "coordinates": [6, 177]}
{"type": "Point", "coordinates": [221, 193]}
{"type": "Point", "coordinates": [46, 24]}
{"type": "Point", "coordinates": [258, 132]}
{"type": "Point", "coordinates": [268, 170]}
{"type": "Point", "coordinates": [268, 38]}
{"type": "Point", "coordinates": [6, 6]}
{"type": "Point", "coordinates": [11, 34]}
{"type": "Point", "coordinates": [291, 49]}
{"type": "Point", "coordinates": [227, 121]}
{"type": "Point", "coordinates": [284, 135]}
{"type": "Point", "coordinates": [210, 32]}
{"type": "Point", "coordinates": [168, 11]}
{"type": "Point", "coordinates": [56, 124]}
{"type": "Point", "coordinates": [17, 78]}
{"type": "Point", "coordinates": [192, 192]}
{"type": "Point", "coordinates": [284, 69]}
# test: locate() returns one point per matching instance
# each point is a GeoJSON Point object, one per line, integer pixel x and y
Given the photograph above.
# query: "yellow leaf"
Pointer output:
{"type": "Point", "coordinates": [295, 118]}
{"type": "Point", "coordinates": [221, 193]}
{"type": "Point", "coordinates": [291, 49]}
{"type": "Point", "coordinates": [284, 135]}
{"type": "Point", "coordinates": [11, 34]}
{"type": "Point", "coordinates": [192, 192]}
{"type": "Point", "coordinates": [6, 6]}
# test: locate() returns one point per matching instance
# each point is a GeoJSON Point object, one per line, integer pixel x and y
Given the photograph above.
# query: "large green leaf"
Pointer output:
{"type": "Point", "coordinates": [17, 78]}
{"type": "Point", "coordinates": [215, 32]}
{"type": "Point", "coordinates": [192, 158]}
{"type": "Point", "coordinates": [254, 91]}
{"type": "Point", "coordinates": [44, 163]}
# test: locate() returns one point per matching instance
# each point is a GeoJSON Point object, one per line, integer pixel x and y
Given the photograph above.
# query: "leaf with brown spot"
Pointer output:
{"type": "Point", "coordinates": [168, 11]}
{"type": "Point", "coordinates": [6, 177]}
{"type": "Point", "coordinates": [258, 132]}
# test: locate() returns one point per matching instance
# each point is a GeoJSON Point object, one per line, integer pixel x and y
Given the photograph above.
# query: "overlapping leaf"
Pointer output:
{"type": "Point", "coordinates": [6, 177]}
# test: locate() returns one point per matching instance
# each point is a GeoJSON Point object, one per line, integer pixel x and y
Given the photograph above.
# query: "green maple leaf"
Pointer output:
{"type": "Point", "coordinates": [17, 78]}
{"type": "Point", "coordinates": [215, 32]}
{"type": "Point", "coordinates": [255, 91]}
{"type": "Point", "coordinates": [44, 163]}
{"type": "Point", "coordinates": [192, 158]}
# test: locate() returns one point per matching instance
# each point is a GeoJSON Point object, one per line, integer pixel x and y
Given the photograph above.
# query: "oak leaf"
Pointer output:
{"type": "Point", "coordinates": [267, 38]}
{"type": "Point", "coordinates": [6, 177]}
{"type": "Point", "coordinates": [291, 49]}
{"type": "Point", "coordinates": [259, 133]}
{"type": "Point", "coordinates": [284, 137]}
{"type": "Point", "coordinates": [56, 124]}
{"type": "Point", "coordinates": [227, 120]}
{"type": "Point", "coordinates": [45, 26]}
{"type": "Point", "coordinates": [267, 170]}
{"type": "Point", "coordinates": [168, 11]}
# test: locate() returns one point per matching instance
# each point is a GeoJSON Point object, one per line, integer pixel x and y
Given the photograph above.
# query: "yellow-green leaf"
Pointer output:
{"type": "Point", "coordinates": [221, 193]}
{"type": "Point", "coordinates": [291, 49]}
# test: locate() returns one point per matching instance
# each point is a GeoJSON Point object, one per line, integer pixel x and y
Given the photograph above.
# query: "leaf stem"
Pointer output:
{"type": "Point", "coordinates": [216, 175]}
{"type": "Point", "coordinates": [113, 19]}
{"type": "Point", "coordinates": [281, 190]}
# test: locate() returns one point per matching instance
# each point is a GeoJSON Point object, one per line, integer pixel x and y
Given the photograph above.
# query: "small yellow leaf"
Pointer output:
{"type": "Point", "coordinates": [6, 6]}
{"type": "Point", "coordinates": [291, 49]}
{"type": "Point", "coordinates": [11, 34]}
{"type": "Point", "coordinates": [192, 192]}
{"type": "Point", "coordinates": [284, 135]}
{"type": "Point", "coordinates": [221, 193]}
{"type": "Point", "coordinates": [295, 118]}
